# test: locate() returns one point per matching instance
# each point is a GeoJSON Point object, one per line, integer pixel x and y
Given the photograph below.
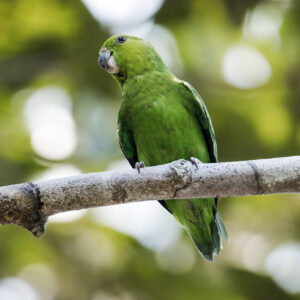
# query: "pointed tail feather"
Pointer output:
{"type": "Point", "coordinates": [206, 231]}
{"type": "Point", "coordinates": [221, 226]}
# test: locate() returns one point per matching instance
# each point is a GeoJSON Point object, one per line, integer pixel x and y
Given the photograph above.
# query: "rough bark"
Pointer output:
{"type": "Point", "coordinates": [29, 204]}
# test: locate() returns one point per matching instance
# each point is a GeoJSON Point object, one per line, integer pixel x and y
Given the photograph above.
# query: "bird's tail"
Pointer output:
{"type": "Point", "coordinates": [206, 228]}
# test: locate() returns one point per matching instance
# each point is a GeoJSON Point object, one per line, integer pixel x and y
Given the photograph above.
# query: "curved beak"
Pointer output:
{"type": "Point", "coordinates": [104, 57]}
{"type": "Point", "coordinates": [107, 61]}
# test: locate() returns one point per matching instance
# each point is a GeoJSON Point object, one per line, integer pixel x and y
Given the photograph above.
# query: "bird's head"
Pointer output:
{"type": "Point", "coordinates": [126, 57]}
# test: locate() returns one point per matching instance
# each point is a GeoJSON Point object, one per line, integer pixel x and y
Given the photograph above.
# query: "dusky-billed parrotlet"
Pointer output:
{"type": "Point", "coordinates": [162, 119]}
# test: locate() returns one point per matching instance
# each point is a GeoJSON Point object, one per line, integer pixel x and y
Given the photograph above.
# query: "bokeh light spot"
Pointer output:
{"type": "Point", "coordinates": [53, 142]}
{"type": "Point", "coordinates": [147, 221]}
{"type": "Point", "coordinates": [263, 23]}
{"type": "Point", "coordinates": [122, 12]}
{"type": "Point", "coordinates": [283, 264]}
{"type": "Point", "coordinates": [245, 67]}
{"type": "Point", "coordinates": [12, 288]}
{"type": "Point", "coordinates": [47, 114]}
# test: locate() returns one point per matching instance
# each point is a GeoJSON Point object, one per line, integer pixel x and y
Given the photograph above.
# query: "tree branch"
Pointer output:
{"type": "Point", "coordinates": [29, 204]}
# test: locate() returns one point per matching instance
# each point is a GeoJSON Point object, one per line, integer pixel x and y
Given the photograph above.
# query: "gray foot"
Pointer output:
{"type": "Point", "coordinates": [139, 165]}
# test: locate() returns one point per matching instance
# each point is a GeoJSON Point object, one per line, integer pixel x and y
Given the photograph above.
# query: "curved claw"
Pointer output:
{"type": "Point", "coordinates": [195, 162]}
{"type": "Point", "coordinates": [139, 166]}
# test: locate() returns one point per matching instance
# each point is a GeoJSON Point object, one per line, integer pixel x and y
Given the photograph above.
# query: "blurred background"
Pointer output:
{"type": "Point", "coordinates": [58, 113]}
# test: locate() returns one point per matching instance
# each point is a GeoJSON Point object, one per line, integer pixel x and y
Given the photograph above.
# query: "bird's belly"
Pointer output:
{"type": "Point", "coordinates": [161, 139]}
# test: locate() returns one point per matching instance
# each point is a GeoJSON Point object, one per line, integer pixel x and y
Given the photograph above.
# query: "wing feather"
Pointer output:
{"type": "Point", "coordinates": [203, 116]}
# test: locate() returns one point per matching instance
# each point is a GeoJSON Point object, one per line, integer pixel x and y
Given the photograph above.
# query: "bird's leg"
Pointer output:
{"type": "Point", "coordinates": [196, 162]}
{"type": "Point", "coordinates": [139, 165]}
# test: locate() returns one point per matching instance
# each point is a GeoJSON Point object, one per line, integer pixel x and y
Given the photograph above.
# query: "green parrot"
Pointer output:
{"type": "Point", "coordinates": [162, 119]}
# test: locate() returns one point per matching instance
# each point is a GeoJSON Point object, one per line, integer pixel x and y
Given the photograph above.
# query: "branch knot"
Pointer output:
{"type": "Point", "coordinates": [38, 228]}
{"type": "Point", "coordinates": [182, 174]}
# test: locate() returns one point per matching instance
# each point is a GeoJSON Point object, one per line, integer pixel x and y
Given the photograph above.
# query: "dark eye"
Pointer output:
{"type": "Point", "coordinates": [120, 39]}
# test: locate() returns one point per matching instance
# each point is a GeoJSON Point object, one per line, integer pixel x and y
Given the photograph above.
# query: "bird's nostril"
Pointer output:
{"type": "Point", "coordinates": [103, 50]}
